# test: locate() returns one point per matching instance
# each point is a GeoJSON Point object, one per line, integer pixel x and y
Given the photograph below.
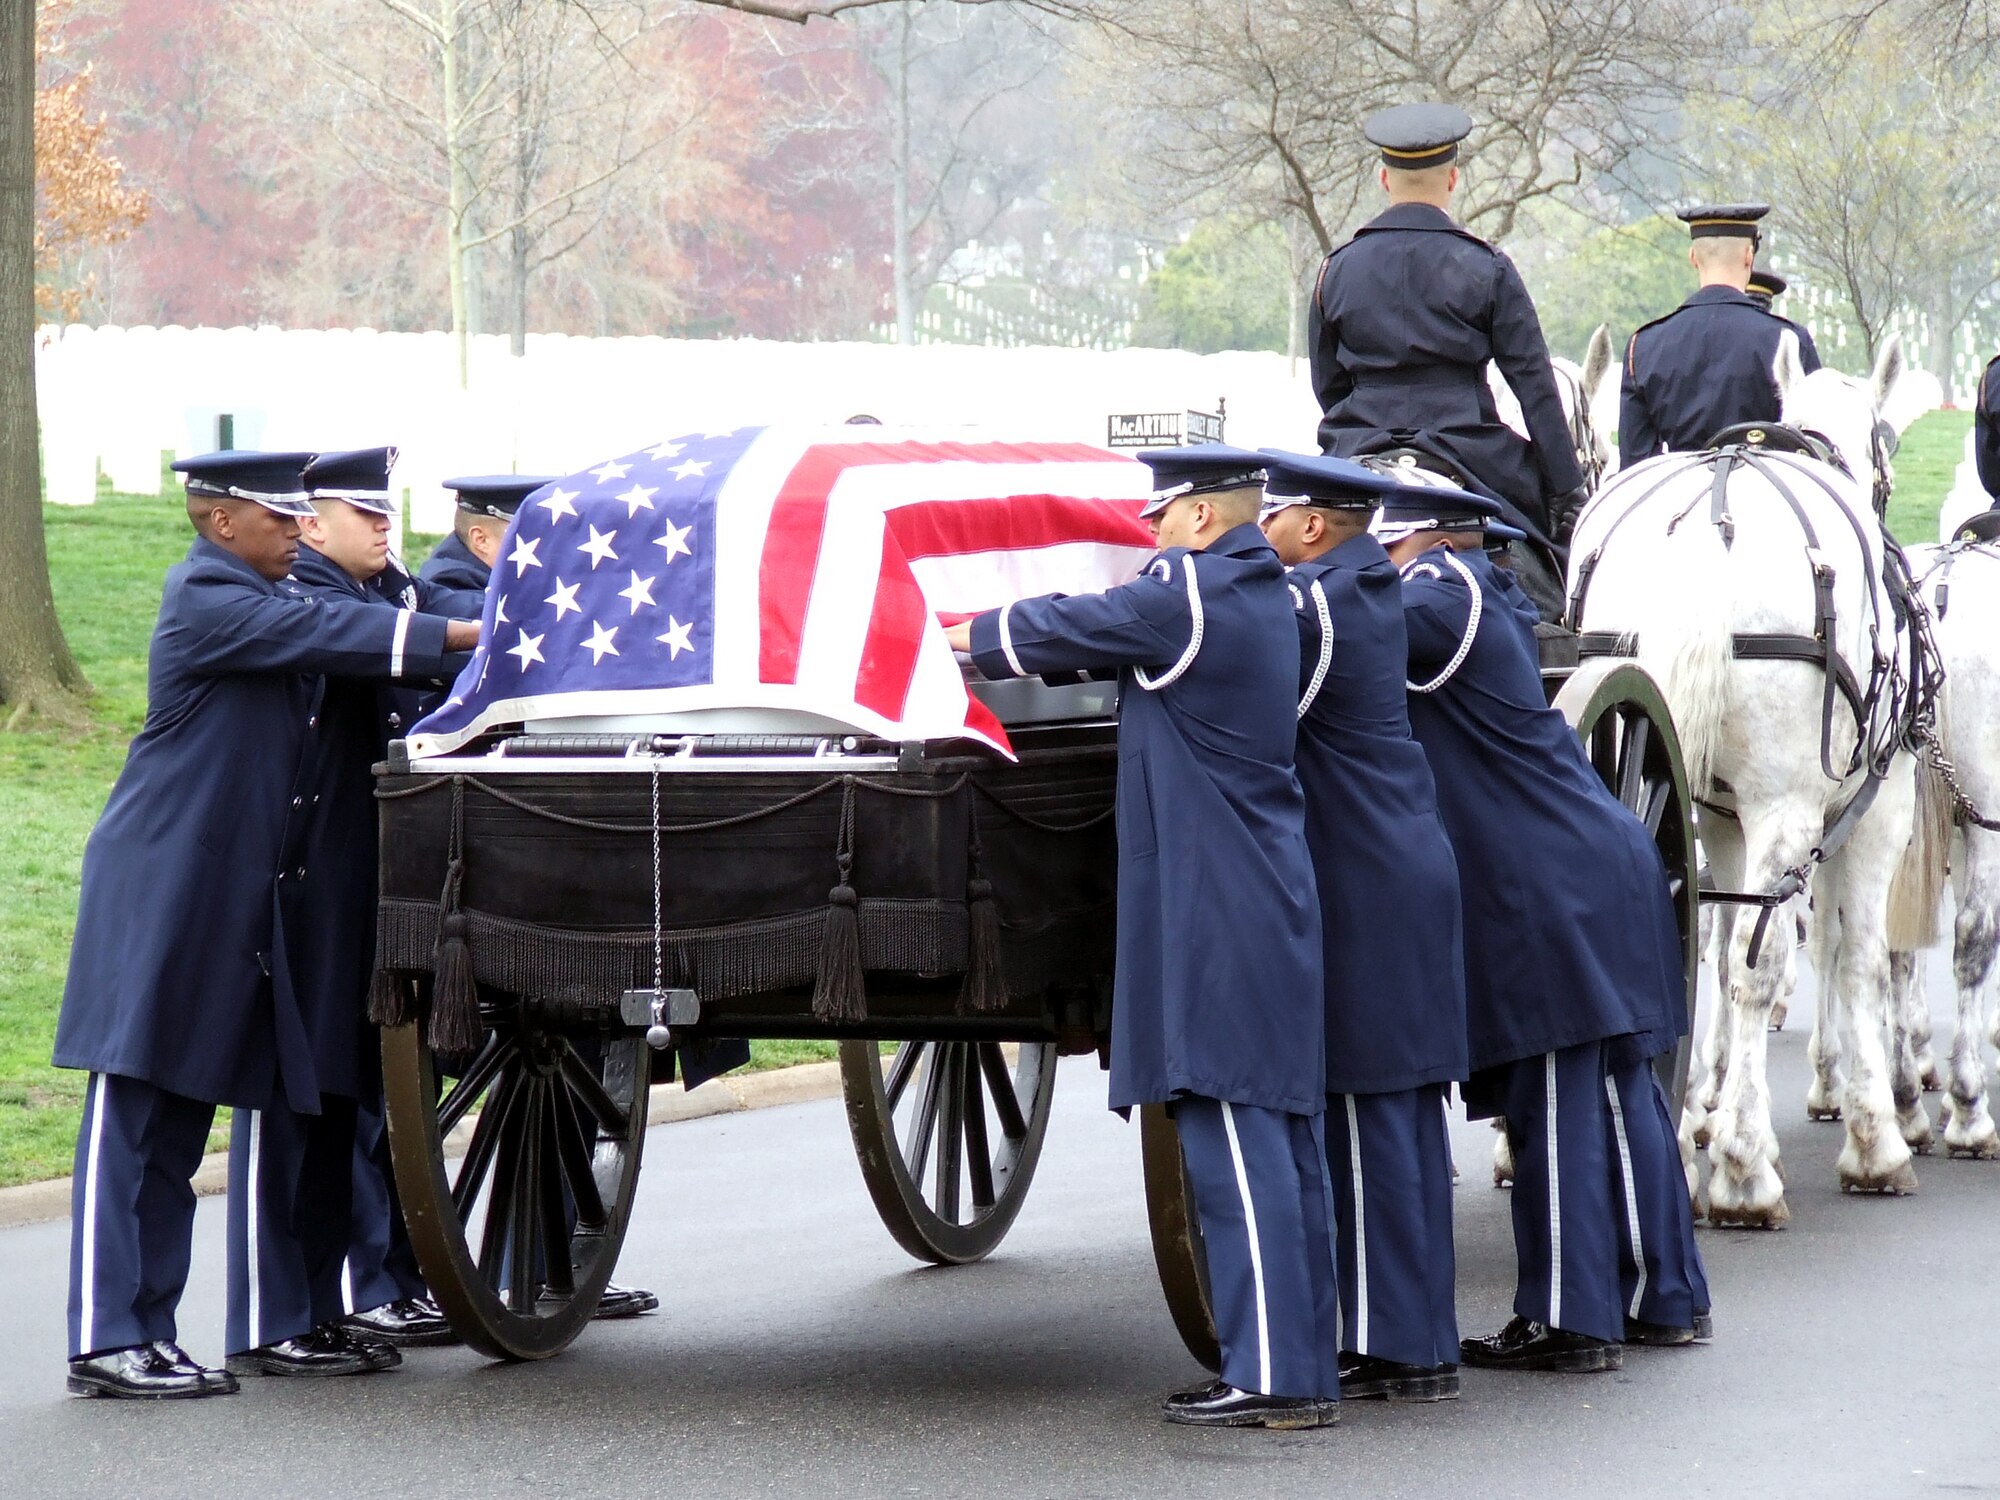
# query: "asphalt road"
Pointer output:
{"type": "Point", "coordinates": [798, 1352]}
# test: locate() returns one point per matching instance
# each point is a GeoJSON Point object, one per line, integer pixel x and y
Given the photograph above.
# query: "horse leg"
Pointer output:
{"type": "Point", "coordinates": [1795, 919]}
{"type": "Point", "coordinates": [1875, 1157]}
{"type": "Point", "coordinates": [1722, 839]}
{"type": "Point", "coordinates": [1968, 1127]}
{"type": "Point", "coordinates": [1917, 1014]}
{"type": "Point", "coordinates": [1906, 1084]}
{"type": "Point", "coordinates": [1823, 1046]}
{"type": "Point", "coordinates": [1745, 1184]}
{"type": "Point", "coordinates": [1503, 1155]}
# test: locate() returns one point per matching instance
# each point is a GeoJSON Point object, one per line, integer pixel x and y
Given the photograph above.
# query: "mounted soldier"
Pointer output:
{"type": "Point", "coordinates": [1404, 320]}
{"type": "Point", "coordinates": [1708, 364]}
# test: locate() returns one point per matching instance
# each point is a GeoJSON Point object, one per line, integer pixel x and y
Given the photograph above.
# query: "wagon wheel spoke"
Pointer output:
{"type": "Point", "coordinates": [486, 1138]}
{"type": "Point", "coordinates": [1632, 759]}
{"type": "Point", "coordinates": [924, 1123]}
{"type": "Point", "coordinates": [1006, 1103]}
{"type": "Point", "coordinates": [573, 1152]}
{"type": "Point", "coordinates": [1654, 807]}
{"type": "Point", "coordinates": [901, 1071]}
{"type": "Point", "coordinates": [554, 1225]}
{"type": "Point", "coordinates": [951, 1133]}
{"type": "Point", "coordinates": [500, 1202]}
{"type": "Point", "coordinates": [1604, 747]}
{"type": "Point", "coordinates": [611, 1119]}
{"type": "Point", "coordinates": [978, 1157]}
{"type": "Point", "coordinates": [521, 1246]}
{"type": "Point", "coordinates": [494, 1056]}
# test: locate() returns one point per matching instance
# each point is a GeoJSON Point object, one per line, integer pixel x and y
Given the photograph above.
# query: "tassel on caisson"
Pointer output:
{"type": "Point", "coordinates": [388, 999]}
{"type": "Point", "coordinates": [455, 1023]}
{"type": "Point", "coordinates": [985, 988]}
{"type": "Point", "coordinates": [840, 992]}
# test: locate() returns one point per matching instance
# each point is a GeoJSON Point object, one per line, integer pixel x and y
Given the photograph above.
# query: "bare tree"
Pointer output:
{"type": "Point", "coordinates": [1261, 104]}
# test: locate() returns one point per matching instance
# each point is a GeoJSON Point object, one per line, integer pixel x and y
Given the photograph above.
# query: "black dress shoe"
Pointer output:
{"type": "Point", "coordinates": [407, 1323]}
{"type": "Point", "coordinates": [142, 1373]}
{"type": "Point", "coordinates": [1223, 1405]}
{"type": "Point", "coordinates": [625, 1302]}
{"type": "Point", "coordinates": [220, 1382]}
{"type": "Point", "coordinates": [1670, 1335]}
{"type": "Point", "coordinates": [1526, 1345]}
{"type": "Point", "coordinates": [328, 1350]}
{"type": "Point", "coordinates": [1365, 1378]}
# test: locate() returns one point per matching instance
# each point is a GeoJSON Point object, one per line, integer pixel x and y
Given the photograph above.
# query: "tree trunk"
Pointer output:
{"type": "Point", "coordinates": [459, 190]}
{"type": "Point", "coordinates": [37, 673]}
{"type": "Point", "coordinates": [517, 277]}
{"type": "Point", "coordinates": [906, 294]}
{"type": "Point", "coordinates": [1944, 331]}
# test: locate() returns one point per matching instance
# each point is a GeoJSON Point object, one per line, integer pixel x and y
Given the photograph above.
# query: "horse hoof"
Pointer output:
{"type": "Point", "coordinates": [1744, 1216]}
{"type": "Point", "coordinates": [1986, 1151]}
{"type": "Point", "coordinates": [1822, 1112]}
{"type": "Point", "coordinates": [1979, 1144]}
{"type": "Point", "coordinates": [1898, 1182]}
{"type": "Point", "coordinates": [1701, 1135]}
{"type": "Point", "coordinates": [1930, 1082]}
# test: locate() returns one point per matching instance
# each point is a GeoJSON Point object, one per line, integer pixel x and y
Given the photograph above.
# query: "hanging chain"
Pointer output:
{"type": "Point", "coordinates": [1926, 733]}
{"type": "Point", "coordinates": [659, 938]}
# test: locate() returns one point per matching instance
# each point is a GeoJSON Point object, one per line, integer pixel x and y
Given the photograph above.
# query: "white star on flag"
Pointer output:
{"type": "Point", "coordinates": [689, 467]}
{"type": "Point", "coordinates": [666, 450]}
{"type": "Point", "coordinates": [564, 599]}
{"type": "Point", "coordinates": [600, 642]}
{"type": "Point", "coordinates": [638, 498]}
{"type": "Point", "coordinates": [523, 556]}
{"type": "Point", "coordinates": [612, 470]}
{"type": "Point", "coordinates": [639, 591]}
{"type": "Point", "coordinates": [598, 547]}
{"type": "Point", "coordinates": [558, 504]}
{"type": "Point", "coordinates": [528, 648]}
{"type": "Point", "coordinates": [500, 612]}
{"type": "Point", "coordinates": [675, 541]}
{"type": "Point", "coordinates": [676, 638]}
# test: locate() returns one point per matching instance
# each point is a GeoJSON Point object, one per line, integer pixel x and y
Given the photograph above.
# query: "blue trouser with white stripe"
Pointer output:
{"type": "Point", "coordinates": [1261, 1194]}
{"type": "Point", "coordinates": [1391, 1170]}
{"type": "Point", "coordinates": [131, 1212]}
{"type": "Point", "coordinates": [1601, 1220]}
{"type": "Point", "coordinates": [291, 1179]}
{"type": "Point", "coordinates": [381, 1265]}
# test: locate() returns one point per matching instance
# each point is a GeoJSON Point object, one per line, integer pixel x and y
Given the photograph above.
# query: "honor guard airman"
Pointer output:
{"type": "Point", "coordinates": [199, 883]}
{"type": "Point", "coordinates": [485, 506]}
{"type": "Point", "coordinates": [1573, 965]}
{"type": "Point", "coordinates": [1708, 364]}
{"type": "Point", "coordinates": [1986, 429]}
{"type": "Point", "coordinates": [1404, 319]}
{"type": "Point", "coordinates": [1219, 1003]}
{"type": "Point", "coordinates": [1389, 912]}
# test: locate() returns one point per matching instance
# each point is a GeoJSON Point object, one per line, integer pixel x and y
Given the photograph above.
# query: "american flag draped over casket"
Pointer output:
{"type": "Point", "coordinates": [799, 569]}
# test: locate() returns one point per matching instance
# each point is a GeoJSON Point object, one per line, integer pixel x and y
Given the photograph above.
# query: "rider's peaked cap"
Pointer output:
{"type": "Point", "coordinates": [1415, 136]}
{"type": "Point", "coordinates": [1736, 219]}
{"type": "Point", "coordinates": [274, 480]}
{"type": "Point", "coordinates": [360, 476]}
{"type": "Point", "coordinates": [1766, 284]}
{"type": "Point", "coordinates": [1415, 508]}
{"type": "Point", "coordinates": [1322, 480]}
{"type": "Point", "coordinates": [495, 494]}
{"type": "Point", "coordinates": [1199, 469]}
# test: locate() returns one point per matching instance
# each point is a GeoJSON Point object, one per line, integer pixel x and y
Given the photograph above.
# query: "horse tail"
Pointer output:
{"type": "Point", "coordinates": [1685, 641]}
{"type": "Point", "coordinates": [1916, 891]}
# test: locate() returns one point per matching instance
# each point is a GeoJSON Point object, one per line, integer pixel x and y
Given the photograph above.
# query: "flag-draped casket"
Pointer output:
{"type": "Point", "coordinates": [714, 737]}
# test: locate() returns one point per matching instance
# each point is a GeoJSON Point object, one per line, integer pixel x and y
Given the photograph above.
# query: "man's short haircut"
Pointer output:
{"type": "Point", "coordinates": [1715, 250]}
{"type": "Point", "coordinates": [1425, 180]}
{"type": "Point", "coordinates": [1238, 505]}
{"type": "Point", "coordinates": [463, 520]}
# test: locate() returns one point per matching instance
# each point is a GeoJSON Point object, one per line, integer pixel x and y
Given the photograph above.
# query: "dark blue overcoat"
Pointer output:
{"type": "Point", "coordinates": [1705, 366]}
{"type": "Point", "coordinates": [1569, 929]}
{"type": "Point", "coordinates": [1388, 886]}
{"type": "Point", "coordinates": [452, 565]}
{"type": "Point", "coordinates": [335, 953]}
{"type": "Point", "coordinates": [1403, 321]}
{"type": "Point", "coordinates": [201, 875]}
{"type": "Point", "coordinates": [1218, 988]}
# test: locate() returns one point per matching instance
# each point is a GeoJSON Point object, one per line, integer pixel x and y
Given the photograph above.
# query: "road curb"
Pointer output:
{"type": "Point", "coordinates": [39, 1202]}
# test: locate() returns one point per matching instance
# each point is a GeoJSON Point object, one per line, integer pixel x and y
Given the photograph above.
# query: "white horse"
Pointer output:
{"type": "Point", "coordinates": [1583, 392]}
{"type": "Point", "coordinates": [1961, 586]}
{"type": "Point", "coordinates": [1966, 497]}
{"type": "Point", "coordinates": [1679, 568]}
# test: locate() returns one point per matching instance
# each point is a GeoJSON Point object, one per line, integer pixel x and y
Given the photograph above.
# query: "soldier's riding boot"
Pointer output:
{"type": "Point", "coordinates": [1536, 572]}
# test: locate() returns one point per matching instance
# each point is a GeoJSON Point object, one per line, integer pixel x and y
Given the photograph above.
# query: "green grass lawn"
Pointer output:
{"type": "Point", "coordinates": [107, 561]}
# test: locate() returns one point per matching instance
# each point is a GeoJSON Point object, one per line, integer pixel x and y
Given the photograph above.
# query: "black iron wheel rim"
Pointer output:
{"type": "Point", "coordinates": [1178, 1253]}
{"type": "Point", "coordinates": [518, 1235]}
{"type": "Point", "coordinates": [947, 1134]}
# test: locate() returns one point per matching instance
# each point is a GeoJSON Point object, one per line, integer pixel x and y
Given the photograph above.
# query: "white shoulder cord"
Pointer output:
{"type": "Point", "coordinates": [1325, 646]}
{"type": "Point", "coordinates": [1173, 673]}
{"type": "Point", "coordinates": [1471, 625]}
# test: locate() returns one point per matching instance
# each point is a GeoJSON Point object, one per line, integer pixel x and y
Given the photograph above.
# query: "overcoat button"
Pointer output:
{"type": "Point", "coordinates": [300, 801]}
{"type": "Point", "coordinates": [302, 872]}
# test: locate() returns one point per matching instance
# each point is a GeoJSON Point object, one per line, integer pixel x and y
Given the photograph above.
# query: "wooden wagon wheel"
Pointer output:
{"type": "Point", "coordinates": [517, 1237]}
{"type": "Point", "coordinates": [947, 1135]}
{"type": "Point", "coordinates": [1620, 715]}
{"type": "Point", "coordinates": [1177, 1247]}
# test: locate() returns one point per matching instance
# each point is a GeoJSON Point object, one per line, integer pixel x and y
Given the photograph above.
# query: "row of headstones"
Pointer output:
{"type": "Point", "coordinates": [114, 400]}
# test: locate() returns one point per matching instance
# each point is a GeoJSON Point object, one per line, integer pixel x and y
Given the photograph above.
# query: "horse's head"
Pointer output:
{"type": "Point", "coordinates": [1845, 411]}
{"type": "Point", "coordinates": [1581, 390]}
